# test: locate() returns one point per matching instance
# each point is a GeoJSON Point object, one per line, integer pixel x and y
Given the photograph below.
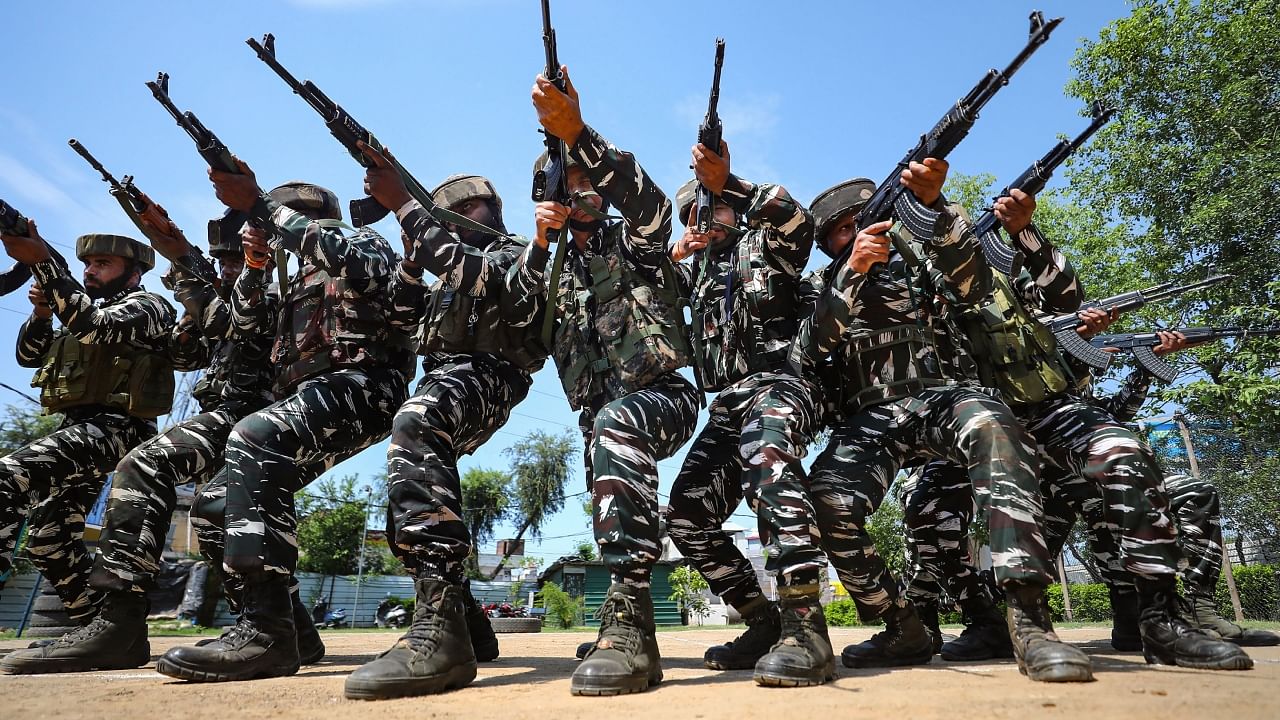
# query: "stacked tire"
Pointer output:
{"type": "Point", "coordinates": [48, 616]}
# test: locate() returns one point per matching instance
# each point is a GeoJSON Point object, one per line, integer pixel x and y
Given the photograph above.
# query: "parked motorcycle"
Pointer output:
{"type": "Point", "coordinates": [505, 610]}
{"type": "Point", "coordinates": [391, 614]}
{"type": "Point", "coordinates": [323, 617]}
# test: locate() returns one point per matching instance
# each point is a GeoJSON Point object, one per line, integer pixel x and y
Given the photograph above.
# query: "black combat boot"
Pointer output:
{"type": "Point", "coordinates": [1041, 655]}
{"type": "Point", "coordinates": [1204, 613]}
{"type": "Point", "coordinates": [583, 649]}
{"type": "Point", "coordinates": [928, 612]}
{"type": "Point", "coordinates": [625, 656]}
{"type": "Point", "coordinates": [435, 655]}
{"type": "Point", "coordinates": [1125, 635]}
{"type": "Point", "coordinates": [764, 629]}
{"type": "Point", "coordinates": [263, 643]}
{"type": "Point", "coordinates": [483, 640]}
{"type": "Point", "coordinates": [116, 639]}
{"type": "Point", "coordinates": [803, 655]}
{"type": "Point", "coordinates": [1169, 638]}
{"type": "Point", "coordinates": [985, 634]}
{"type": "Point", "coordinates": [310, 646]}
{"type": "Point", "coordinates": [904, 641]}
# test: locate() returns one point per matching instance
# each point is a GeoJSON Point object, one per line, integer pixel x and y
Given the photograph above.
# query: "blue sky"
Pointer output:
{"type": "Point", "coordinates": [810, 95]}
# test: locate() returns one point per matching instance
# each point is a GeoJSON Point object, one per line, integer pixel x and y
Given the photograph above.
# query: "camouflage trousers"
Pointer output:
{"type": "Point", "coordinates": [709, 488]}
{"type": "Point", "coordinates": [623, 441]}
{"type": "Point", "coordinates": [1098, 468]}
{"type": "Point", "coordinates": [937, 510]}
{"type": "Point", "coordinates": [58, 477]}
{"type": "Point", "coordinates": [460, 402]}
{"type": "Point", "coordinates": [848, 481]}
{"type": "Point", "coordinates": [278, 450]}
{"type": "Point", "coordinates": [142, 496]}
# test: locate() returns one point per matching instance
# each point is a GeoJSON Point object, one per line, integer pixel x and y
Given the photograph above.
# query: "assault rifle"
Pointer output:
{"type": "Point", "coordinates": [125, 192]}
{"type": "Point", "coordinates": [550, 182]}
{"type": "Point", "coordinates": [951, 129]}
{"type": "Point", "coordinates": [1064, 326]}
{"type": "Point", "coordinates": [710, 132]}
{"type": "Point", "coordinates": [1141, 344]}
{"type": "Point", "coordinates": [1032, 181]}
{"type": "Point", "coordinates": [13, 222]}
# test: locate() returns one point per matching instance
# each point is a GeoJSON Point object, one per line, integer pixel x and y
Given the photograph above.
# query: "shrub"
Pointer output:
{"type": "Point", "coordinates": [1259, 588]}
{"type": "Point", "coordinates": [841, 613]}
{"type": "Point", "coordinates": [563, 609]}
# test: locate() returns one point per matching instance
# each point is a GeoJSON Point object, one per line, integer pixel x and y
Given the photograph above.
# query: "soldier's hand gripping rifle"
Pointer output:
{"type": "Point", "coordinates": [348, 132]}
{"type": "Point", "coordinates": [1064, 326]}
{"type": "Point", "coordinates": [1032, 180]}
{"type": "Point", "coordinates": [550, 182]}
{"type": "Point", "coordinates": [13, 222]}
{"type": "Point", "coordinates": [946, 135]}
{"type": "Point", "coordinates": [1141, 344]}
{"type": "Point", "coordinates": [710, 133]}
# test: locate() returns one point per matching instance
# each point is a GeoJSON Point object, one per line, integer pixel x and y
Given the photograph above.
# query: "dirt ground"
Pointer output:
{"type": "Point", "coordinates": [531, 679]}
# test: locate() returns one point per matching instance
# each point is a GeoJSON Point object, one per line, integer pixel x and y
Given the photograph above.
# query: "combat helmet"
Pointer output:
{"type": "Point", "coordinates": [224, 233]}
{"type": "Point", "coordinates": [835, 201]}
{"type": "Point", "coordinates": [307, 198]}
{"type": "Point", "coordinates": [118, 245]}
{"type": "Point", "coordinates": [456, 188]}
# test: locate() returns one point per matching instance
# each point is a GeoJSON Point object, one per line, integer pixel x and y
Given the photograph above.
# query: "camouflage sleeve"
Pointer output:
{"type": "Point", "coordinates": [1055, 287]}
{"type": "Point", "coordinates": [141, 319]}
{"type": "Point", "coordinates": [524, 295]}
{"type": "Point", "coordinates": [34, 339]}
{"type": "Point", "coordinates": [1126, 402]}
{"type": "Point", "coordinates": [790, 236]}
{"type": "Point", "coordinates": [253, 309]}
{"type": "Point", "coordinates": [193, 288]}
{"type": "Point", "coordinates": [956, 255]}
{"type": "Point", "coordinates": [189, 350]}
{"type": "Point", "coordinates": [617, 176]}
{"type": "Point", "coordinates": [835, 307]}
{"type": "Point", "coordinates": [461, 266]}
{"type": "Point", "coordinates": [363, 255]}
{"type": "Point", "coordinates": [408, 294]}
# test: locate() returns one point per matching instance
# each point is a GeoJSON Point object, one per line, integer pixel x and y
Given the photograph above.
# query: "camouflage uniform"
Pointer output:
{"type": "Point", "coordinates": [236, 382]}
{"type": "Point", "coordinates": [617, 347]}
{"type": "Point", "coordinates": [476, 368]}
{"type": "Point", "coordinates": [746, 296]}
{"type": "Point", "coordinates": [65, 469]}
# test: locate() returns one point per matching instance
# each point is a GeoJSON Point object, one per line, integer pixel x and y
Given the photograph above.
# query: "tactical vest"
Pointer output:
{"type": "Point", "coordinates": [885, 364]}
{"type": "Point", "coordinates": [117, 375]}
{"type": "Point", "coordinates": [326, 324]}
{"type": "Point", "coordinates": [461, 323]}
{"type": "Point", "coordinates": [620, 331]}
{"type": "Point", "coordinates": [1012, 352]}
{"type": "Point", "coordinates": [208, 390]}
{"type": "Point", "coordinates": [727, 349]}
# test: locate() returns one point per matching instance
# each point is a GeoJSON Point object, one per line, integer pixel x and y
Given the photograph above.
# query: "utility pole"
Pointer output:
{"type": "Point", "coordinates": [364, 533]}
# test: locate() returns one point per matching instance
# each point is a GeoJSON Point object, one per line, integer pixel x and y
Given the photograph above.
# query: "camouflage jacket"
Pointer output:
{"type": "Point", "coordinates": [237, 373]}
{"type": "Point", "coordinates": [621, 287]}
{"type": "Point", "coordinates": [334, 313]}
{"type": "Point", "coordinates": [468, 309]}
{"type": "Point", "coordinates": [883, 330]}
{"type": "Point", "coordinates": [744, 294]}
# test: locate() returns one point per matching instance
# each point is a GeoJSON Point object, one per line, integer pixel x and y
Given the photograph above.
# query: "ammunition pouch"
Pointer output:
{"type": "Point", "coordinates": [116, 375]}
{"type": "Point", "coordinates": [1013, 353]}
{"type": "Point", "coordinates": [463, 323]}
{"type": "Point", "coordinates": [888, 364]}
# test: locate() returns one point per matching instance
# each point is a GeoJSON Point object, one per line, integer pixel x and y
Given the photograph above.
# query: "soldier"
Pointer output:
{"type": "Point", "coordinates": [746, 299]}
{"type": "Point", "coordinates": [107, 371]}
{"type": "Point", "coordinates": [617, 347]}
{"type": "Point", "coordinates": [477, 367]}
{"type": "Point", "coordinates": [905, 400]}
{"type": "Point", "coordinates": [341, 373]}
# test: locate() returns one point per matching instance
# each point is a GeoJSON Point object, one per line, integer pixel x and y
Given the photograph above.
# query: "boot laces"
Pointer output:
{"type": "Point", "coordinates": [427, 627]}
{"type": "Point", "coordinates": [798, 629]}
{"type": "Point", "coordinates": [85, 632]}
{"type": "Point", "coordinates": [240, 634]}
{"type": "Point", "coordinates": [758, 632]}
{"type": "Point", "coordinates": [618, 624]}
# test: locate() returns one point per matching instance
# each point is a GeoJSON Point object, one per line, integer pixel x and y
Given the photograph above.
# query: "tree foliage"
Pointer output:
{"type": "Point", "coordinates": [541, 464]}
{"type": "Point", "coordinates": [486, 497]}
{"type": "Point", "coordinates": [24, 424]}
{"type": "Point", "coordinates": [332, 513]}
{"type": "Point", "coordinates": [687, 586]}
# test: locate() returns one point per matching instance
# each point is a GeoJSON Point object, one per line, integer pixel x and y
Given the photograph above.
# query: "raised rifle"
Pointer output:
{"type": "Point", "coordinates": [1141, 344]}
{"type": "Point", "coordinates": [13, 222]}
{"type": "Point", "coordinates": [710, 133]}
{"type": "Point", "coordinates": [1032, 180]}
{"type": "Point", "coordinates": [947, 133]}
{"type": "Point", "coordinates": [345, 129]}
{"type": "Point", "coordinates": [550, 182]}
{"type": "Point", "coordinates": [125, 192]}
{"type": "Point", "coordinates": [1064, 326]}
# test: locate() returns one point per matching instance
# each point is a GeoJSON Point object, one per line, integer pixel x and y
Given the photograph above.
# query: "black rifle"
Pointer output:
{"type": "Point", "coordinates": [13, 222]}
{"type": "Point", "coordinates": [952, 128]}
{"type": "Point", "coordinates": [1032, 181]}
{"type": "Point", "coordinates": [550, 182]}
{"type": "Point", "coordinates": [345, 129]}
{"type": "Point", "coordinates": [710, 132]}
{"type": "Point", "coordinates": [1064, 326]}
{"type": "Point", "coordinates": [1140, 344]}
{"type": "Point", "coordinates": [125, 192]}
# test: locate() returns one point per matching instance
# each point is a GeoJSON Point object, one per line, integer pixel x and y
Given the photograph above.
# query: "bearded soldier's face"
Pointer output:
{"type": "Point", "coordinates": [106, 275]}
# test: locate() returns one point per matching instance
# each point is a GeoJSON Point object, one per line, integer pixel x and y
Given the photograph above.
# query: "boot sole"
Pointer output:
{"type": "Point", "coordinates": [625, 686]}
{"type": "Point", "coordinates": [165, 666]}
{"type": "Point", "coordinates": [313, 658]}
{"type": "Point", "coordinates": [457, 677]}
{"type": "Point", "coordinates": [1059, 673]}
{"type": "Point", "coordinates": [70, 665]}
{"type": "Point", "coordinates": [718, 665]}
{"type": "Point", "coordinates": [1234, 662]}
{"type": "Point", "coordinates": [775, 679]}
{"type": "Point", "coordinates": [994, 655]}
{"type": "Point", "coordinates": [882, 662]}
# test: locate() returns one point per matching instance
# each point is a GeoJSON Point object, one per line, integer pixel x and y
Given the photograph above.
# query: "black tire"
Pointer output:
{"type": "Point", "coordinates": [47, 604]}
{"type": "Point", "coordinates": [46, 632]}
{"type": "Point", "coordinates": [516, 625]}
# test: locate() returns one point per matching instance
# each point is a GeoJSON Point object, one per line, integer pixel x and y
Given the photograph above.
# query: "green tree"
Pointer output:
{"type": "Point", "coordinates": [541, 464]}
{"type": "Point", "coordinates": [485, 501]}
{"type": "Point", "coordinates": [586, 550]}
{"type": "Point", "coordinates": [888, 532]}
{"type": "Point", "coordinates": [566, 611]}
{"type": "Point", "coordinates": [687, 586]}
{"type": "Point", "coordinates": [333, 519]}
{"type": "Point", "coordinates": [24, 424]}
